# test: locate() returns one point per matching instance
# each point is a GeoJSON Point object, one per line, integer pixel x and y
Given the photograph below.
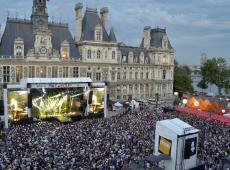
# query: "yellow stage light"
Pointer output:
{"type": "Point", "coordinates": [196, 103]}
{"type": "Point", "coordinates": [223, 110]}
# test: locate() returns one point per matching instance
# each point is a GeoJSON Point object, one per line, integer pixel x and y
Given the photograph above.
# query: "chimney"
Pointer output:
{"type": "Point", "coordinates": [78, 11]}
{"type": "Point", "coordinates": [104, 16]}
{"type": "Point", "coordinates": [147, 37]}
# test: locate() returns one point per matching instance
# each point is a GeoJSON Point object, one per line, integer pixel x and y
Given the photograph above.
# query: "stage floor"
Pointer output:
{"type": "Point", "coordinates": [205, 115]}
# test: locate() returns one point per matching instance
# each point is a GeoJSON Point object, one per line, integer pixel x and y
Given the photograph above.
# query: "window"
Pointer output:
{"type": "Point", "coordinates": [165, 60]}
{"type": "Point", "coordinates": [130, 89]}
{"type": "Point", "coordinates": [124, 76]}
{"type": "Point", "coordinates": [65, 53]}
{"type": "Point", "coordinates": [19, 71]}
{"type": "Point", "coordinates": [65, 72]}
{"type": "Point", "coordinates": [130, 75]}
{"type": "Point", "coordinates": [113, 55]}
{"type": "Point", "coordinates": [6, 74]}
{"type": "Point", "coordinates": [98, 54]}
{"type": "Point", "coordinates": [152, 76]}
{"type": "Point", "coordinates": [118, 76]}
{"type": "Point", "coordinates": [136, 75]}
{"type": "Point", "coordinates": [75, 72]}
{"type": "Point", "coordinates": [43, 71]}
{"type": "Point", "coordinates": [98, 76]}
{"type": "Point", "coordinates": [54, 71]}
{"type": "Point", "coordinates": [142, 75]}
{"type": "Point", "coordinates": [18, 51]}
{"type": "Point", "coordinates": [106, 54]}
{"type": "Point", "coordinates": [112, 76]}
{"type": "Point", "coordinates": [147, 75]}
{"type": "Point", "coordinates": [159, 73]}
{"type": "Point", "coordinates": [124, 89]}
{"type": "Point", "coordinates": [89, 54]}
{"type": "Point", "coordinates": [31, 71]}
{"type": "Point", "coordinates": [98, 35]}
{"type": "Point", "coordinates": [89, 74]}
{"type": "Point", "coordinates": [164, 74]}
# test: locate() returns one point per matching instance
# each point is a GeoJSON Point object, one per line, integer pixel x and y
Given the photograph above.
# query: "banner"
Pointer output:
{"type": "Point", "coordinates": [190, 147]}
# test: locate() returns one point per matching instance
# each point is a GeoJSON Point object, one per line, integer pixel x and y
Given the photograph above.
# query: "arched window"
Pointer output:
{"type": "Point", "coordinates": [98, 54]}
{"type": "Point", "coordinates": [18, 51]}
{"type": "Point", "coordinates": [89, 53]}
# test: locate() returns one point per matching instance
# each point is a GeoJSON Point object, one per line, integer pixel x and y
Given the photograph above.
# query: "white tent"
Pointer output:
{"type": "Point", "coordinates": [227, 115]}
{"type": "Point", "coordinates": [117, 104]}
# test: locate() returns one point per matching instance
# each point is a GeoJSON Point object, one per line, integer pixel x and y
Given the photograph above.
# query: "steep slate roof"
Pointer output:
{"type": "Point", "coordinates": [112, 36]}
{"type": "Point", "coordinates": [13, 30]}
{"type": "Point", "coordinates": [157, 35]}
{"type": "Point", "coordinates": [23, 28]}
{"type": "Point", "coordinates": [90, 20]}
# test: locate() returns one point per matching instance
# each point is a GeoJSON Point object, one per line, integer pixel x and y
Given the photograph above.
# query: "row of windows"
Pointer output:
{"type": "Point", "coordinates": [41, 72]}
{"type": "Point", "coordinates": [165, 60]}
{"type": "Point", "coordinates": [141, 88]}
{"type": "Point", "coordinates": [164, 73]}
{"type": "Point", "coordinates": [98, 76]}
{"type": "Point", "coordinates": [89, 54]}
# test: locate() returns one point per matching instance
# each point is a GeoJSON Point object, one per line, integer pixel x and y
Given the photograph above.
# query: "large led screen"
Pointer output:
{"type": "Point", "coordinates": [97, 100]}
{"type": "Point", "coordinates": [164, 146]}
{"type": "Point", "coordinates": [58, 102]}
{"type": "Point", "coordinates": [17, 104]}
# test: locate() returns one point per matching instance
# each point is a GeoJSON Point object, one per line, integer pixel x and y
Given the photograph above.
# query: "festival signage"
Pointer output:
{"type": "Point", "coordinates": [190, 147]}
{"type": "Point", "coordinates": [59, 85]}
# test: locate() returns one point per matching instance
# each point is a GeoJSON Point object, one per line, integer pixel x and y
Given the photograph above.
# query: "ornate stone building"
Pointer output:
{"type": "Point", "coordinates": [39, 48]}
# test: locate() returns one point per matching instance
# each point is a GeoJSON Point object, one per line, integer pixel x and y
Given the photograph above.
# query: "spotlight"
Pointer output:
{"type": "Point", "coordinates": [184, 101]}
{"type": "Point", "coordinates": [223, 110]}
{"type": "Point", "coordinates": [196, 103]}
{"type": "Point", "coordinates": [176, 93]}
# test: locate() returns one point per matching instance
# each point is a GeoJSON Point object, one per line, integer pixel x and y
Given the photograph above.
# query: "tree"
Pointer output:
{"type": "Point", "coordinates": [182, 79]}
{"type": "Point", "coordinates": [202, 84]}
{"type": "Point", "coordinates": [215, 71]}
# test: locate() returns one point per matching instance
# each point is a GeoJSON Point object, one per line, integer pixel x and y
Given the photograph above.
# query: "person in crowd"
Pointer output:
{"type": "Point", "coordinates": [103, 144]}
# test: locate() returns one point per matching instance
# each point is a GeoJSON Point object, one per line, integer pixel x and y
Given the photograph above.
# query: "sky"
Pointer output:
{"type": "Point", "coordinates": [193, 26]}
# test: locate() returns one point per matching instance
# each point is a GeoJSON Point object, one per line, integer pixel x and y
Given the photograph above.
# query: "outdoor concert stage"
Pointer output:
{"type": "Point", "coordinates": [205, 115]}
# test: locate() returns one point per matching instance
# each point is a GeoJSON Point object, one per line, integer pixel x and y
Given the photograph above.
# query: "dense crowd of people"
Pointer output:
{"type": "Point", "coordinates": [106, 143]}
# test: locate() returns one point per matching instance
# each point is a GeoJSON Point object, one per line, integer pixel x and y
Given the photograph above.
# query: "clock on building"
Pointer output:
{"type": "Point", "coordinates": [43, 50]}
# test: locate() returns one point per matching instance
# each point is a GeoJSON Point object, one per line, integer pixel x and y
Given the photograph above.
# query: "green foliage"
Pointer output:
{"type": "Point", "coordinates": [182, 79]}
{"type": "Point", "coordinates": [202, 84]}
{"type": "Point", "coordinates": [215, 71]}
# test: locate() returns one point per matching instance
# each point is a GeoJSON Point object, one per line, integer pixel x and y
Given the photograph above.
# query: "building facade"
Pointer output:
{"type": "Point", "coordinates": [39, 48]}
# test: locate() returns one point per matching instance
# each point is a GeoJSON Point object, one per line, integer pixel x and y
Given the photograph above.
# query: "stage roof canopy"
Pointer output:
{"type": "Point", "coordinates": [55, 80]}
